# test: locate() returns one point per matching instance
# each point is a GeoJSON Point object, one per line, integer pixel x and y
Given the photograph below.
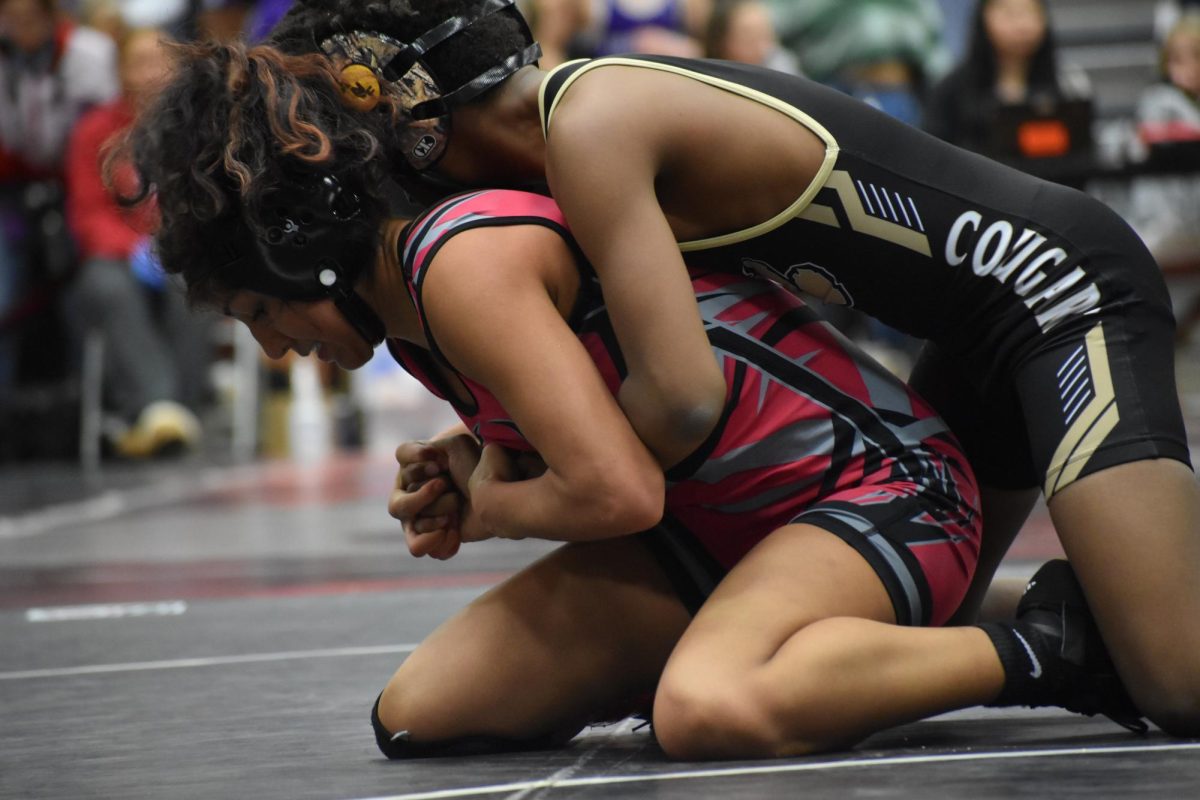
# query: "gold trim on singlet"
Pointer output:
{"type": "Point", "coordinates": [1092, 426]}
{"type": "Point", "coordinates": [796, 209]}
{"type": "Point", "coordinates": [863, 222]}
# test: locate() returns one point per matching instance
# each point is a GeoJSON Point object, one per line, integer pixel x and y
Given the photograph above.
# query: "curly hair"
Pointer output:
{"type": "Point", "coordinates": [457, 61]}
{"type": "Point", "coordinates": [235, 125]}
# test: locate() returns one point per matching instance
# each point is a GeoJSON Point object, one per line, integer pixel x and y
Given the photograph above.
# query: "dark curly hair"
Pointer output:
{"type": "Point", "coordinates": [235, 125]}
{"type": "Point", "coordinates": [458, 60]}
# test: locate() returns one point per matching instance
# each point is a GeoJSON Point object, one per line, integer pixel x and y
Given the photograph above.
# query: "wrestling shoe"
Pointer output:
{"type": "Point", "coordinates": [164, 428]}
{"type": "Point", "coordinates": [1053, 655]}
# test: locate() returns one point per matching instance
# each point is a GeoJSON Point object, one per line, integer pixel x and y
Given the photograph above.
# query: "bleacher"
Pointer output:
{"type": "Point", "coordinates": [1113, 41]}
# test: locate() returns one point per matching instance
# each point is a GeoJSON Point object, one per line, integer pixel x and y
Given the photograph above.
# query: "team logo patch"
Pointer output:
{"type": "Point", "coordinates": [808, 278]}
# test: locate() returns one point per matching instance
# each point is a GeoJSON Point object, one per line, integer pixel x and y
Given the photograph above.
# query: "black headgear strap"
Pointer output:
{"type": "Point", "coordinates": [356, 311]}
{"type": "Point", "coordinates": [409, 54]}
{"type": "Point", "coordinates": [476, 86]}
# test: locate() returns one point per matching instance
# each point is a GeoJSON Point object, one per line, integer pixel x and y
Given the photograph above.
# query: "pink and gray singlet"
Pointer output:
{"type": "Point", "coordinates": [813, 431]}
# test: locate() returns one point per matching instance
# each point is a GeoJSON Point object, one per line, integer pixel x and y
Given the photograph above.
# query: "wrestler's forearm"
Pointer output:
{"type": "Point", "coordinates": [556, 508]}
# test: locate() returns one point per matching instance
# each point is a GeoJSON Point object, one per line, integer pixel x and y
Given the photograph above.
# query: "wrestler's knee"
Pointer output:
{"type": "Point", "coordinates": [1169, 694]}
{"type": "Point", "coordinates": [394, 725]}
{"type": "Point", "coordinates": [698, 717]}
{"type": "Point", "coordinates": [406, 704]}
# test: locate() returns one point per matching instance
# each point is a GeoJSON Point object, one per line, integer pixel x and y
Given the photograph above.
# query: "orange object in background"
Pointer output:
{"type": "Point", "coordinates": [1043, 138]}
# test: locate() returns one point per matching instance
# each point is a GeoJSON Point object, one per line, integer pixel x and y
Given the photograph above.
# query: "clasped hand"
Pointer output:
{"type": "Point", "coordinates": [432, 495]}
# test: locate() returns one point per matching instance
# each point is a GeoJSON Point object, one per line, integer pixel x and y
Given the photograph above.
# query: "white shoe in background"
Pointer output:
{"type": "Point", "coordinates": [163, 428]}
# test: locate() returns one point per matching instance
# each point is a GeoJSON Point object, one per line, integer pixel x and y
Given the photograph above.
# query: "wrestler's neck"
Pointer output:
{"type": "Point", "coordinates": [385, 291]}
{"type": "Point", "coordinates": [499, 142]}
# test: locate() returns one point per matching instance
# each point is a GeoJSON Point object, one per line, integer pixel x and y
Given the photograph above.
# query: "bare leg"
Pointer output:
{"type": "Point", "coordinates": [579, 632]}
{"type": "Point", "coordinates": [1004, 512]}
{"type": "Point", "coordinates": [795, 652]}
{"type": "Point", "coordinates": [1132, 533]}
{"type": "Point", "coordinates": [1000, 603]}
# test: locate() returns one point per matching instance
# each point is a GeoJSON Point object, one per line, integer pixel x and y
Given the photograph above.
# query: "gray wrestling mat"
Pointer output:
{"type": "Point", "coordinates": [192, 630]}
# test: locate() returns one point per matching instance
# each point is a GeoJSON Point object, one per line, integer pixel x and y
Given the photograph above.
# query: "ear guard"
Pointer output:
{"type": "Point", "coordinates": [372, 60]}
{"type": "Point", "coordinates": [315, 239]}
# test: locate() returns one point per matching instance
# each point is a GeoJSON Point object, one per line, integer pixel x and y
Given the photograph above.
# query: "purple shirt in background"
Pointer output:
{"type": "Point", "coordinates": [262, 18]}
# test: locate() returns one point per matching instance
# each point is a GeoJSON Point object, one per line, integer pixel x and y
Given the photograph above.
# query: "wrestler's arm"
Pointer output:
{"type": "Point", "coordinates": [490, 299]}
{"type": "Point", "coordinates": [602, 164]}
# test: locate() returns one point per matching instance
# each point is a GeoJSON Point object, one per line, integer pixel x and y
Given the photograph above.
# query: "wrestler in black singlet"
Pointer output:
{"type": "Point", "coordinates": [1050, 326]}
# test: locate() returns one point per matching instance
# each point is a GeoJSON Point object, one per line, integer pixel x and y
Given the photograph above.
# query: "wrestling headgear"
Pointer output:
{"type": "Point", "coordinates": [317, 235]}
{"type": "Point", "coordinates": [368, 60]}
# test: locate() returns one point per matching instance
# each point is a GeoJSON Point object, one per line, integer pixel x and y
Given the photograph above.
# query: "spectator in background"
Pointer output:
{"type": "Point", "coordinates": [588, 28]}
{"type": "Point", "coordinates": [555, 24]}
{"type": "Point", "coordinates": [50, 71]}
{"type": "Point", "coordinates": [156, 351]}
{"type": "Point", "coordinates": [1169, 111]}
{"type": "Point", "coordinates": [1165, 209]}
{"type": "Point", "coordinates": [882, 51]}
{"type": "Point", "coordinates": [101, 15]}
{"type": "Point", "coordinates": [744, 30]}
{"type": "Point", "coordinates": [1168, 12]}
{"type": "Point", "coordinates": [261, 18]}
{"type": "Point", "coordinates": [175, 17]}
{"type": "Point", "coordinates": [1011, 59]}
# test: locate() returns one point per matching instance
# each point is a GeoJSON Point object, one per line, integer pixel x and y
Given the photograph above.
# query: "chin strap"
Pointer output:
{"type": "Point", "coordinates": [360, 315]}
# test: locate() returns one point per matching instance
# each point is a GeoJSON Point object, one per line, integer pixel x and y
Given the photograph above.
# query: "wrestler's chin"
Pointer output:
{"type": "Point", "coordinates": [346, 358]}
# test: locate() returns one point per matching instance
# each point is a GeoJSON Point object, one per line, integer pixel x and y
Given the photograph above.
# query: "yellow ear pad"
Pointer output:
{"type": "Point", "coordinates": [360, 87]}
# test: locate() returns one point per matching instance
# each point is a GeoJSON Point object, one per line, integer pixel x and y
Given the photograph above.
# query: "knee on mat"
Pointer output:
{"type": "Point", "coordinates": [391, 722]}
{"type": "Point", "coordinates": [391, 742]}
{"type": "Point", "coordinates": [696, 719]}
{"type": "Point", "coordinates": [396, 713]}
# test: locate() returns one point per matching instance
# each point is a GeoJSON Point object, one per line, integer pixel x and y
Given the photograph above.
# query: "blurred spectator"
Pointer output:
{"type": "Point", "coordinates": [956, 25]}
{"type": "Point", "coordinates": [589, 28]}
{"type": "Point", "coordinates": [168, 15]}
{"type": "Point", "coordinates": [1168, 12]}
{"type": "Point", "coordinates": [101, 15]}
{"type": "Point", "coordinates": [156, 351]}
{"type": "Point", "coordinates": [50, 71]}
{"type": "Point", "coordinates": [176, 17]}
{"type": "Point", "coordinates": [1011, 60]}
{"type": "Point", "coordinates": [261, 18]}
{"type": "Point", "coordinates": [884, 52]}
{"type": "Point", "coordinates": [1165, 209]}
{"type": "Point", "coordinates": [184, 20]}
{"type": "Point", "coordinates": [744, 30]}
{"type": "Point", "coordinates": [555, 25]}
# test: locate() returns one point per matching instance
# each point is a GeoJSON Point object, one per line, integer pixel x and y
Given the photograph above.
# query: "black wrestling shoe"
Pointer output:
{"type": "Point", "coordinates": [1059, 658]}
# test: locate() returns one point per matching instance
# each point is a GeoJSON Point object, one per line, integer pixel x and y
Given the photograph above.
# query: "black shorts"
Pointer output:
{"type": "Point", "coordinates": [1091, 391]}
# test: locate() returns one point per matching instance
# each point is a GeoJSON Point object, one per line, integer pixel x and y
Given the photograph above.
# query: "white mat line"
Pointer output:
{"type": "Point", "coordinates": [106, 611]}
{"type": "Point", "coordinates": [776, 769]}
{"type": "Point", "coordinates": [214, 661]}
{"type": "Point", "coordinates": [565, 774]}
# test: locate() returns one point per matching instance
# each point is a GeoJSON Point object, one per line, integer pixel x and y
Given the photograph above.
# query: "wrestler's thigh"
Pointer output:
{"type": "Point", "coordinates": [796, 576]}
{"type": "Point", "coordinates": [557, 645]}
